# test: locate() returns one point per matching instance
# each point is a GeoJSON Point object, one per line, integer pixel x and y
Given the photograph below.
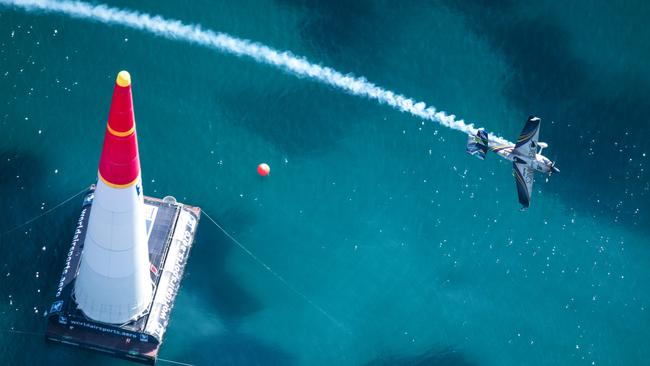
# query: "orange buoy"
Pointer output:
{"type": "Point", "coordinates": [263, 169]}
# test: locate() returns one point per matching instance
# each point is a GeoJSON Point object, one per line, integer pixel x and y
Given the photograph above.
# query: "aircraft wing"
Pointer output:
{"type": "Point", "coordinates": [524, 179]}
{"type": "Point", "coordinates": [527, 141]}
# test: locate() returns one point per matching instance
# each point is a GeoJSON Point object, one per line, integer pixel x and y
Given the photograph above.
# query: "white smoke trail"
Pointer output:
{"type": "Point", "coordinates": [285, 60]}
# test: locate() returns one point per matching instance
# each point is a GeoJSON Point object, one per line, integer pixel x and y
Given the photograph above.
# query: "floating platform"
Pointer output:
{"type": "Point", "coordinates": [171, 227]}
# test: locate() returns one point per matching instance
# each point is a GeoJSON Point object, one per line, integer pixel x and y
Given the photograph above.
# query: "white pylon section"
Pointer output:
{"type": "Point", "coordinates": [114, 284]}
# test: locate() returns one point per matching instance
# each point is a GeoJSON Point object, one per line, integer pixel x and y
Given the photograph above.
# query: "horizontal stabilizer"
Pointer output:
{"type": "Point", "coordinates": [477, 145]}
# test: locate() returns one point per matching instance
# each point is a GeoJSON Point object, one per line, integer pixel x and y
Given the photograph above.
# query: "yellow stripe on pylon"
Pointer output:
{"type": "Point", "coordinates": [118, 133]}
{"type": "Point", "coordinates": [118, 186]}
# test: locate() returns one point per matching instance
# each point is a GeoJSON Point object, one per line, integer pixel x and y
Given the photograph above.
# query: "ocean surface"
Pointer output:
{"type": "Point", "coordinates": [416, 253]}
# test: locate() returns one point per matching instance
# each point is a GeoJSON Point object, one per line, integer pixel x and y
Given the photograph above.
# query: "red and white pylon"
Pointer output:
{"type": "Point", "coordinates": [114, 284]}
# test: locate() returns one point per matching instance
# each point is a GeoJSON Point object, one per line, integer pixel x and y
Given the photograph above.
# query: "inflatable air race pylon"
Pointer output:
{"type": "Point", "coordinates": [127, 255]}
{"type": "Point", "coordinates": [113, 284]}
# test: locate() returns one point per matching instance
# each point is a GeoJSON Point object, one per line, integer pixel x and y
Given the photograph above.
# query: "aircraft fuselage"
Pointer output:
{"type": "Point", "coordinates": [540, 162]}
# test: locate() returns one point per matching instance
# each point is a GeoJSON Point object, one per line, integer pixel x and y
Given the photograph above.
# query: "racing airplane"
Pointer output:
{"type": "Point", "coordinates": [526, 156]}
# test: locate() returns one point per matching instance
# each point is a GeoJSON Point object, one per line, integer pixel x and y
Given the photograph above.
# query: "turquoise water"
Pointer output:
{"type": "Point", "coordinates": [416, 250]}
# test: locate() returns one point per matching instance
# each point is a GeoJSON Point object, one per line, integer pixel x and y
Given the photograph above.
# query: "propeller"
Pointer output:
{"type": "Point", "coordinates": [553, 168]}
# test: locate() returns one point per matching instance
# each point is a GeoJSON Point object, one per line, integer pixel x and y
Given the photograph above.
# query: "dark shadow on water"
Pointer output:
{"type": "Point", "coordinates": [334, 25]}
{"type": "Point", "coordinates": [433, 357]}
{"type": "Point", "coordinates": [599, 126]}
{"type": "Point", "coordinates": [21, 175]}
{"type": "Point", "coordinates": [21, 256]}
{"type": "Point", "coordinates": [236, 349]}
{"type": "Point", "coordinates": [209, 277]}
{"type": "Point", "coordinates": [301, 124]}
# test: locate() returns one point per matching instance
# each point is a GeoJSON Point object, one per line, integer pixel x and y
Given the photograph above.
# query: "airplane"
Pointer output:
{"type": "Point", "coordinates": [526, 156]}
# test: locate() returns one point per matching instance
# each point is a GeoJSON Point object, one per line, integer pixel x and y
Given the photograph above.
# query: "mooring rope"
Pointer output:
{"type": "Point", "coordinates": [44, 213]}
{"type": "Point", "coordinates": [278, 276]}
{"type": "Point", "coordinates": [25, 332]}
{"type": "Point", "coordinates": [174, 362]}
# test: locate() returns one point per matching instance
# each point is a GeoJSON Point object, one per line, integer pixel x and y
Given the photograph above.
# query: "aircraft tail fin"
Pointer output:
{"type": "Point", "coordinates": [477, 145]}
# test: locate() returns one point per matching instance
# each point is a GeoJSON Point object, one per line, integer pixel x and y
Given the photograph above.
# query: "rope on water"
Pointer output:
{"type": "Point", "coordinates": [278, 276]}
{"type": "Point", "coordinates": [174, 362]}
{"type": "Point", "coordinates": [24, 332]}
{"type": "Point", "coordinates": [44, 213]}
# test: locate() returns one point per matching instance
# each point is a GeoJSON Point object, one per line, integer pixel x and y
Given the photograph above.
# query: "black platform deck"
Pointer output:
{"type": "Point", "coordinates": [171, 227]}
